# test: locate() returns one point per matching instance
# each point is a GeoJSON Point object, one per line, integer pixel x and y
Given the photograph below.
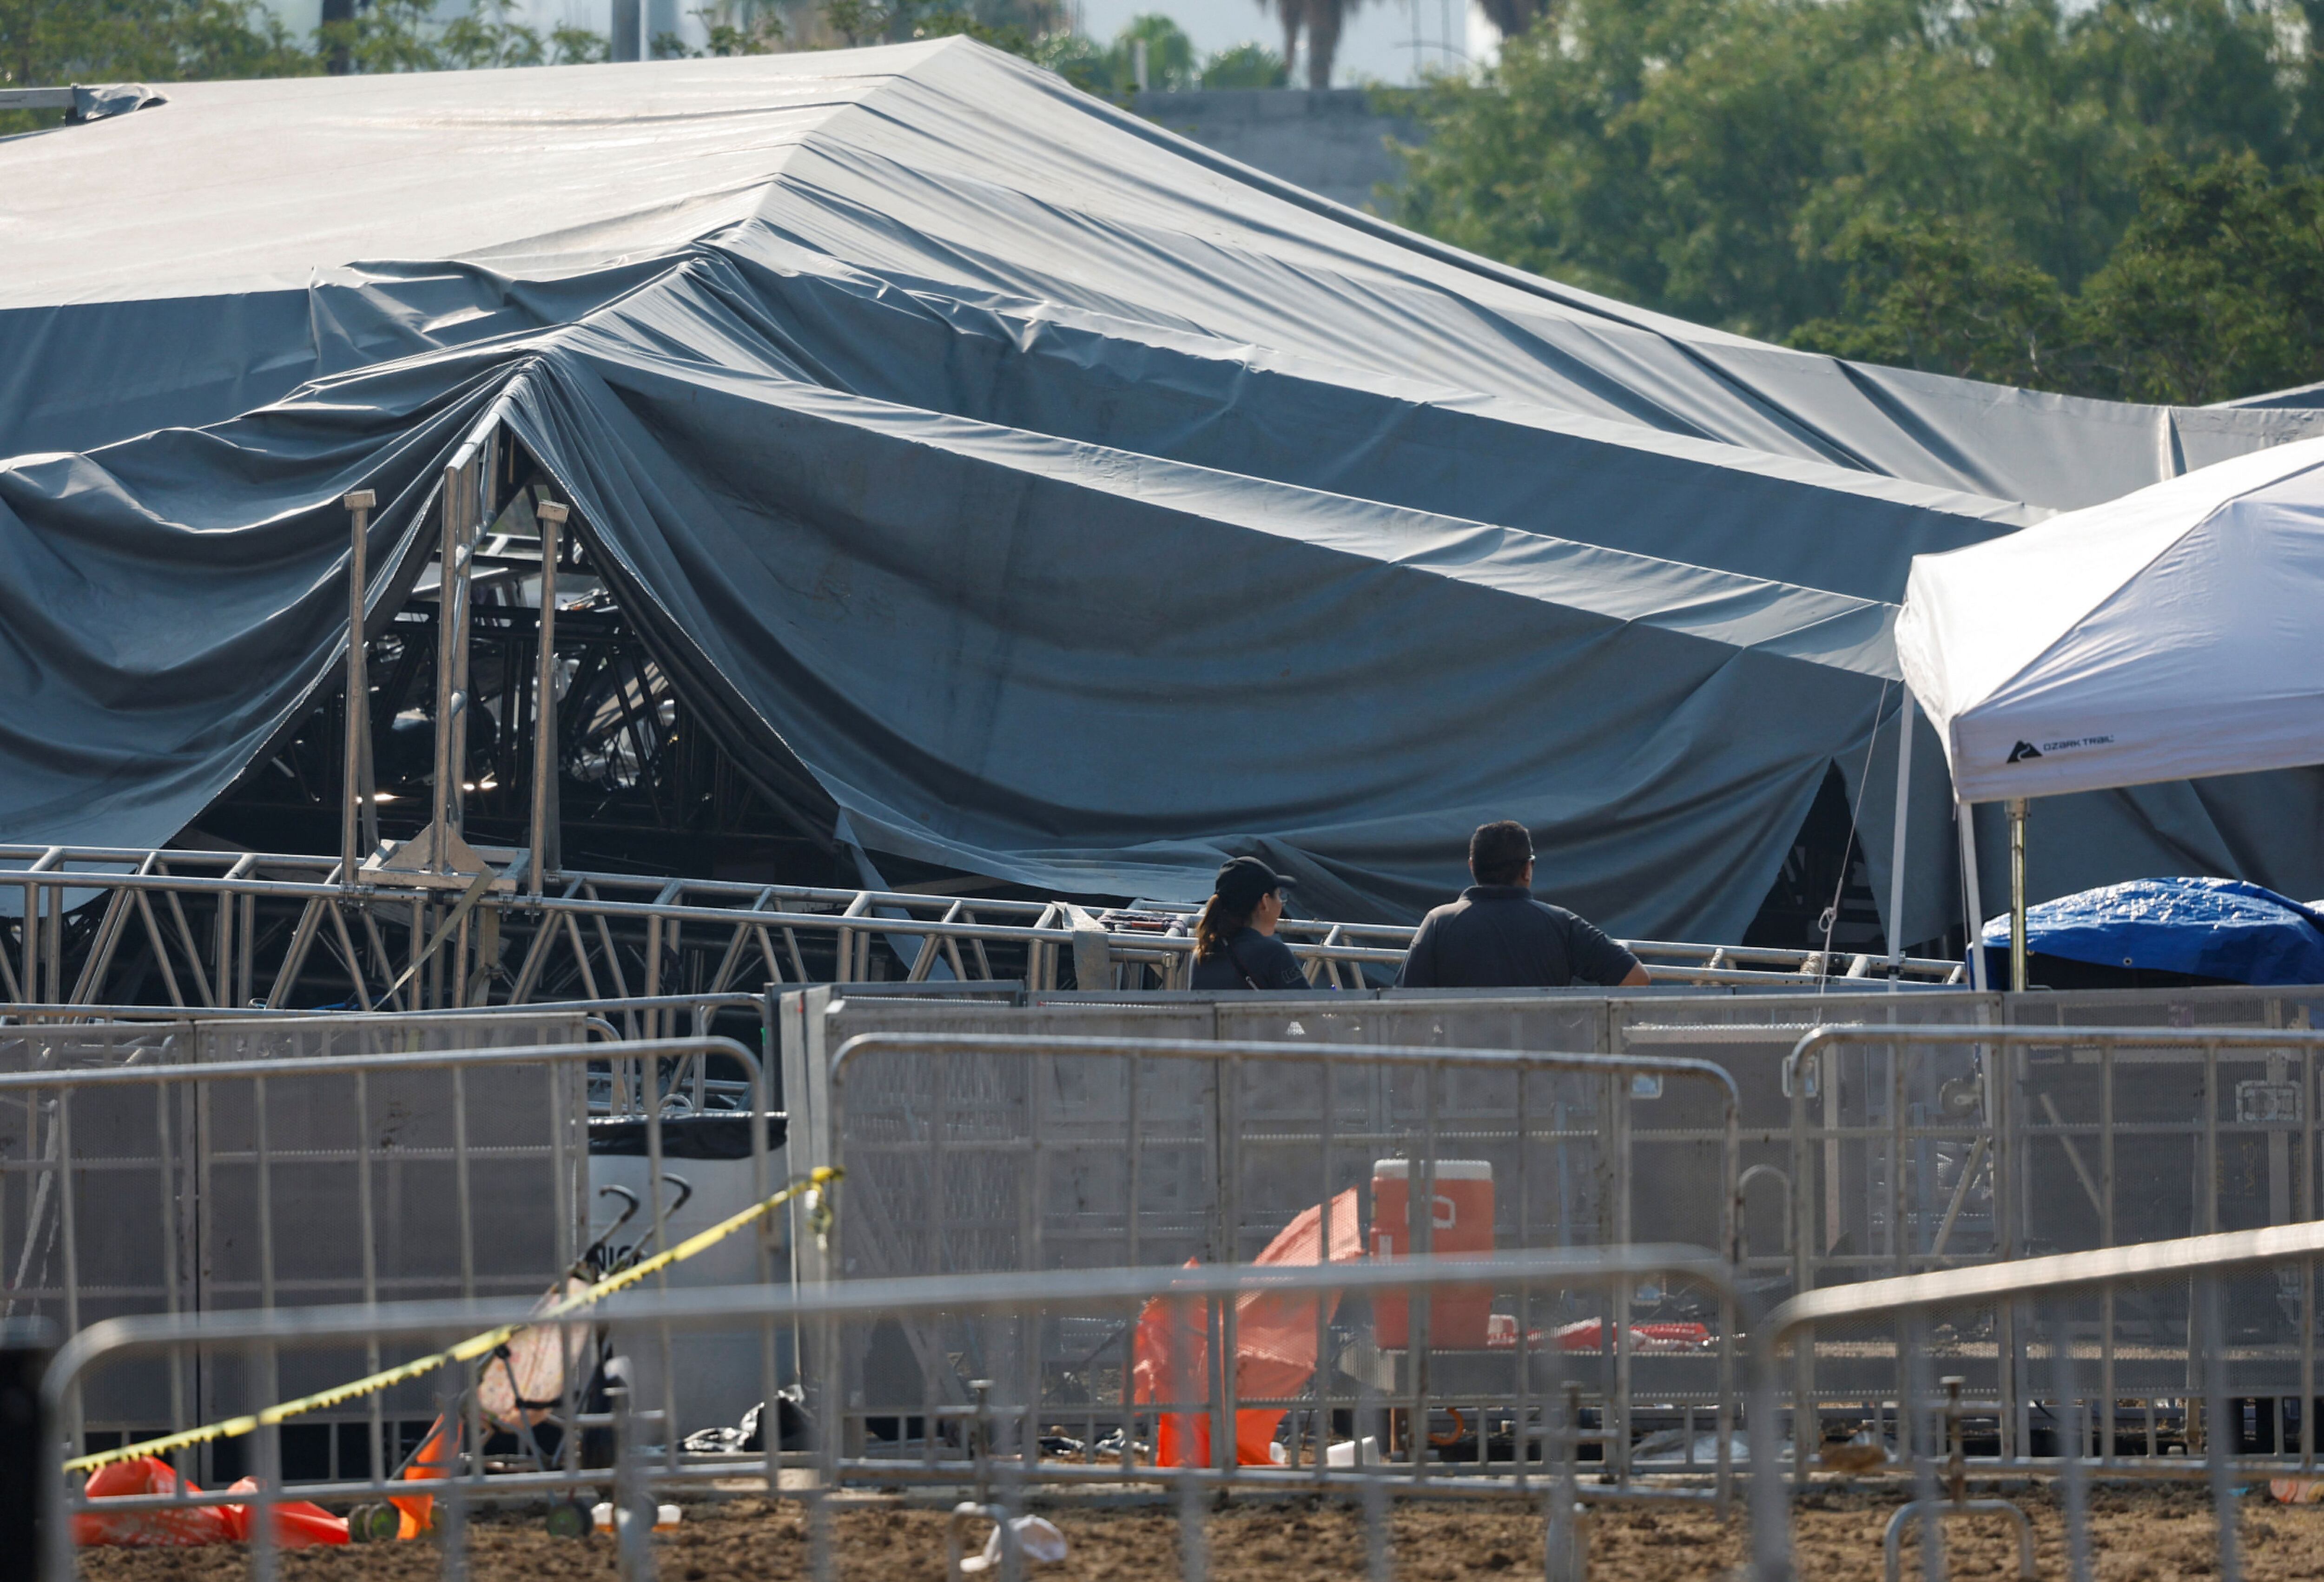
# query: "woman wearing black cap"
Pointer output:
{"type": "Point", "coordinates": [1235, 945]}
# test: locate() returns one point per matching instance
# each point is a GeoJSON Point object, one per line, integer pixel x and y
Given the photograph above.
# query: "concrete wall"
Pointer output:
{"type": "Point", "coordinates": [1330, 141]}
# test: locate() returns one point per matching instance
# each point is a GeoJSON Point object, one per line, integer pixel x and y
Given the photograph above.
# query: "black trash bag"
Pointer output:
{"type": "Point", "coordinates": [790, 1416]}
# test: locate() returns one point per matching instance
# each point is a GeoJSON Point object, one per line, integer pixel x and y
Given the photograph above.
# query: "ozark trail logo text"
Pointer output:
{"type": "Point", "coordinates": [2026, 750]}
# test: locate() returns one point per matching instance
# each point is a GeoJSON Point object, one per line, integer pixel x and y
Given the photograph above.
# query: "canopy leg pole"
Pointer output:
{"type": "Point", "coordinates": [1965, 822]}
{"type": "Point", "coordinates": [2017, 894]}
{"type": "Point", "coordinates": [1896, 841]}
{"type": "Point", "coordinates": [545, 812]}
{"type": "Point", "coordinates": [351, 852]}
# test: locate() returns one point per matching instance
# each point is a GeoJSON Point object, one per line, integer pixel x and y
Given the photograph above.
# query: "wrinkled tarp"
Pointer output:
{"type": "Point", "coordinates": [2203, 927]}
{"type": "Point", "coordinates": [111, 98]}
{"type": "Point", "coordinates": [2168, 633]}
{"type": "Point", "coordinates": [1036, 492]}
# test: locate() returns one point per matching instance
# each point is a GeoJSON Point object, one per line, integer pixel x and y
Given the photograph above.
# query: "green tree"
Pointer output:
{"type": "Point", "coordinates": [1733, 161]}
{"type": "Point", "coordinates": [743, 27]}
{"type": "Point", "coordinates": [51, 42]}
{"type": "Point", "coordinates": [1078, 60]}
{"type": "Point", "coordinates": [1321, 21]}
{"type": "Point", "coordinates": [45, 43]}
{"type": "Point", "coordinates": [409, 35]}
{"type": "Point", "coordinates": [2216, 289]}
{"type": "Point", "coordinates": [859, 22]}
{"type": "Point", "coordinates": [569, 45]}
{"type": "Point", "coordinates": [387, 35]}
{"type": "Point", "coordinates": [488, 35]}
{"type": "Point", "coordinates": [1932, 296]}
{"type": "Point", "coordinates": [1170, 64]}
{"type": "Point", "coordinates": [1251, 65]}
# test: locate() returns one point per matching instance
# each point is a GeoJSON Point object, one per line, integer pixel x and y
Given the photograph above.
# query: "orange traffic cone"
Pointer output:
{"type": "Point", "coordinates": [438, 1456]}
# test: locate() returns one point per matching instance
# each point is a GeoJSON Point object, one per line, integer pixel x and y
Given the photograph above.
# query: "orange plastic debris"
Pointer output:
{"type": "Point", "coordinates": [296, 1524]}
{"type": "Point", "coordinates": [438, 1456]}
{"type": "Point", "coordinates": [1275, 1345]}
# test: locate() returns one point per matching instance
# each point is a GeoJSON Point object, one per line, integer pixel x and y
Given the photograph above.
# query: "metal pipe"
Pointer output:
{"type": "Point", "coordinates": [347, 1064]}
{"type": "Point", "coordinates": [463, 485]}
{"type": "Point", "coordinates": [1973, 948]}
{"type": "Point", "coordinates": [447, 583]}
{"type": "Point", "coordinates": [545, 813]}
{"type": "Point", "coordinates": [2017, 894]}
{"type": "Point", "coordinates": [1897, 840]}
{"type": "Point", "coordinates": [359, 504]}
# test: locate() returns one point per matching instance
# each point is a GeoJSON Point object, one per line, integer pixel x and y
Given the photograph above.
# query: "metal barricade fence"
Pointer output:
{"type": "Point", "coordinates": [1519, 1434]}
{"type": "Point", "coordinates": [2069, 1138]}
{"type": "Point", "coordinates": [183, 1186]}
{"type": "Point", "coordinates": [1938, 1392]}
{"type": "Point", "coordinates": [1750, 1034]}
{"type": "Point", "coordinates": [1847, 1191]}
{"type": "Point", "coordinates": [814, 1023]}
{"type": "Point", "coordinates": [996, 1152]}
{"type": "Point", "coordinates": [1936, 1411]}
{"type": "Point", "coordinates": [1949, 1208]}
{"type": "Point", "coordinates": [257, 1033]}
{"type": "Point", "coordinates": [122, 1160]}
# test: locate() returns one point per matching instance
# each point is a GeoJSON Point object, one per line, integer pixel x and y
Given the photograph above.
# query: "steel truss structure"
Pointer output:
{"type": "Point", "coordinates": [112, 926]}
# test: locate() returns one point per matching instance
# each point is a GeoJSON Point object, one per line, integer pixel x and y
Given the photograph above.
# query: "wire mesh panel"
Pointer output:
{"type": "Point", "coordinates": [1023, 1156]}
{"type": "Point", "coordinates": [2140, 1143]}
{"type": "Point", "coordinates": [134, 1179]}
{"type": "Point", "coordinates": [1855, 1197]}
{"type": "Point", "coordinates": [1027, 1150]}
{"type": "Point", "coordinates": [2084, 1139]}
{"type": "Point", "coordinates": [995, 1161]}
{"type": "Point", "coordinates": [93, 1190]}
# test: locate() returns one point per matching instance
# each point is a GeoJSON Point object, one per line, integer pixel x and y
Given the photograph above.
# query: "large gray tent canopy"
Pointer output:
{"type": "Point", "coordinates": [1022, 488]}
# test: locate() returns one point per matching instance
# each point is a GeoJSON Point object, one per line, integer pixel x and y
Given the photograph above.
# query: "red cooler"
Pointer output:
{"type": "Point", "coordinates": [1463, 1222]}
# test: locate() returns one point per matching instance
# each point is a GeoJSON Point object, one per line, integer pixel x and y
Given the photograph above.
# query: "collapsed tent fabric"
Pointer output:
{"type": "Point", "coordinates": [2167, 634]}
{"type": "Point", "coordinates": [2202, 927]}
{"type": "Point", "coordinates": [1017, 487]}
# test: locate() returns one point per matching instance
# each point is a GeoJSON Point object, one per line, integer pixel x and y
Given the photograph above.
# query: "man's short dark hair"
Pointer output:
{"type": "Point", "coordinates": [1498, 852]}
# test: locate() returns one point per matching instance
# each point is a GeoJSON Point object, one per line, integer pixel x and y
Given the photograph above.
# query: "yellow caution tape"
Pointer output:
{"type": "Point", "coordinates": [468, 1350]}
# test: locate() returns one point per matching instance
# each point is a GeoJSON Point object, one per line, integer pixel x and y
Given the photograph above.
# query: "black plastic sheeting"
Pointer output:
{"type": "Point", "coordinates": [1075, 519]}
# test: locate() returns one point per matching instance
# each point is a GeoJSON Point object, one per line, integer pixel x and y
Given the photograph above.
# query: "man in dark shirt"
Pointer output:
{"type": "Point", "coordinates": [1498, 936]}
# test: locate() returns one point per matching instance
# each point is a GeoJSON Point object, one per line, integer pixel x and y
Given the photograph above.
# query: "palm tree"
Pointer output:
{"type": "Point", "coordinates": [1512, 17]}
{"type": "Point", "coordinates": [1322, 20]}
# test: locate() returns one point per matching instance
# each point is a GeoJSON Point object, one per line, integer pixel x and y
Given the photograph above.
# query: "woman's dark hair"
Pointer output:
{"type": "Point", "coordinates": [1217, 925]}
{"type": "Point", "coordinates": [1498, 852]}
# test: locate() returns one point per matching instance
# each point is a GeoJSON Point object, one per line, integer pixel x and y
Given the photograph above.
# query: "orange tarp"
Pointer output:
{"type": "Point", "coordinates": [1275, 1345]}
{"type": "Point", "coordinates": [296, 1524]}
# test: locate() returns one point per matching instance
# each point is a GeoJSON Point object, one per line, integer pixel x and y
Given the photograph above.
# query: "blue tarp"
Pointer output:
{"type": "Point", "coordinates": [2204, 927]}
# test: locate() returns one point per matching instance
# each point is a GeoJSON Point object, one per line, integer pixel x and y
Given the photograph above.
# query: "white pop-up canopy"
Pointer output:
{"type": "Point", "coordinates": [2175, 633]}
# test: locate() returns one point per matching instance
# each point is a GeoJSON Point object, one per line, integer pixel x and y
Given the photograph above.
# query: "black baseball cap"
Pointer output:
{"type": "Point", "coordinates": [1242, 881]}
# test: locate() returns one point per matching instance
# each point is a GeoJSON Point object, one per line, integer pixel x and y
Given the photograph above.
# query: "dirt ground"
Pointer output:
{"type": "Point", "coordinates": [2142, 1534]}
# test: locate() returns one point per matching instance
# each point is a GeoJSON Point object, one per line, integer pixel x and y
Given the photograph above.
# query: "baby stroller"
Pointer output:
{"type": "Point", "coordinates": [520, 1396]}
